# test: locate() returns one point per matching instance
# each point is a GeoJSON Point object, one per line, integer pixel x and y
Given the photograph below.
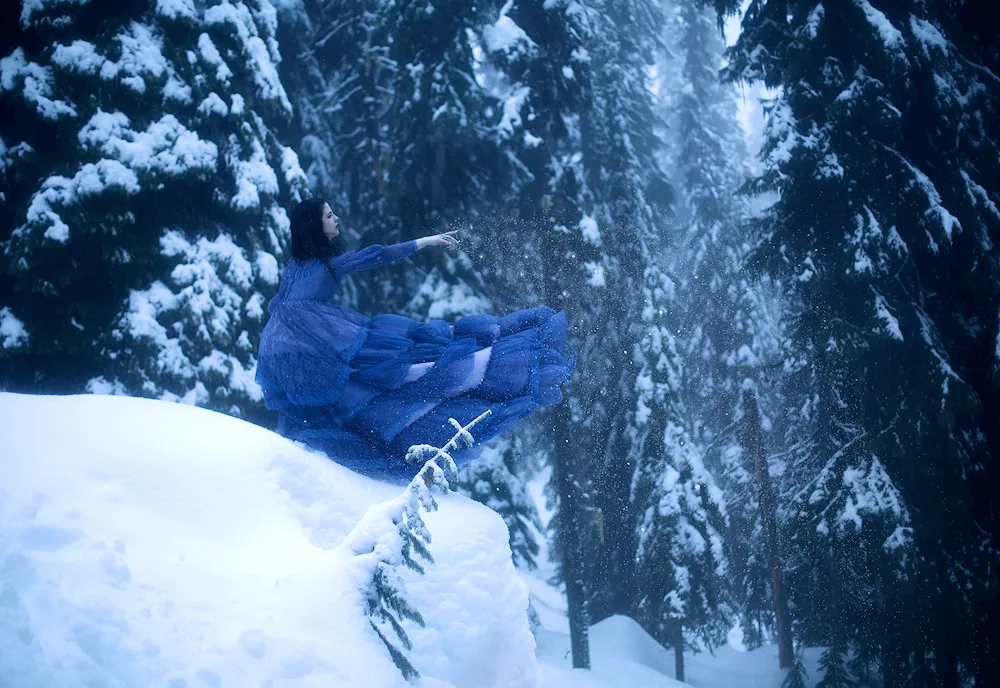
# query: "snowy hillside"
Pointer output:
{"type": "Point", "coordinates": [146, 543]}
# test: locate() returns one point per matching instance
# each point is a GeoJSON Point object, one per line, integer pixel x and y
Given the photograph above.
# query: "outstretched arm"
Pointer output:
{"type": "Point", "coordinates": [376, 256]}
{"type": "Point", "coordinates": [445, 239]}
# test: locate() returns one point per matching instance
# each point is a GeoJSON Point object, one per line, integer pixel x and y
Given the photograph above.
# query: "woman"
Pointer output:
{"type": "Point", "coordinates": [363, 390]}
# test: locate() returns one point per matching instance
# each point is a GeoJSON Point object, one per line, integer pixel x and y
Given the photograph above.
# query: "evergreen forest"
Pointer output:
{"type": "Point", "coordinates": [773, 225]}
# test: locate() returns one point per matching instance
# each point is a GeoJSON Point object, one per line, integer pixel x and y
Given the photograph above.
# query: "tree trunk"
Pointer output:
{"type": "Point", "coordinates": [437, 177]}
{"type": "Point", "coordinates": [893, 667]}
{"type": "Point", "coordinates": [567, 454]}
{"type": "Point", "coordinates": [754, 444]}
{"type": "Point", "coordinates": [569, 535]}
{"type": "Point", "coordinates": [679, 651]}
{"type": "Point", "coordinates": [987, 510]}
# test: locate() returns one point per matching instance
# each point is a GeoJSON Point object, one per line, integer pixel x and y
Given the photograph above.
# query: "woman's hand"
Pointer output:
{"type": "Point", "coordinates": [445, 239]}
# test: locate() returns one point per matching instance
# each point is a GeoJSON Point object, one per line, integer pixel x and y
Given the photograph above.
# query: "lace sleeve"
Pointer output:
{"type": "Point", "coordinates": [372, 257]}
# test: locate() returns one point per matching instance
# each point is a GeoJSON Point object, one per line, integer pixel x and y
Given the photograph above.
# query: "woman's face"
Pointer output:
{"type": "Point", "coordinates": [331, 223]}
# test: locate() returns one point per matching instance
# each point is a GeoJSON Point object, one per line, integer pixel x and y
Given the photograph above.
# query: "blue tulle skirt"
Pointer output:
{"type": "Point", "coordinates": [363, 390]}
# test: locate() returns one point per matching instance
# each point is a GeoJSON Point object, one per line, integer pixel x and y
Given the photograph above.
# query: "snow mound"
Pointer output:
{"type": "Point", "coordinates": [144, 543]}
{"type": "Point", "coordinates": [622, 655]}
{"type": "Point", "coordinates": [623, 638]}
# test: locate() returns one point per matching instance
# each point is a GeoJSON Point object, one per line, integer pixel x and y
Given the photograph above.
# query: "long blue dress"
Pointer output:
{"type": "Point", "coordinates": [363, 390]}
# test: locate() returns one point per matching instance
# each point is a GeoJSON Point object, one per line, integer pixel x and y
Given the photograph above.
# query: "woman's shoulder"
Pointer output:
{"type": "Point", "coordinates": [312, 268]}
{"type": "Point", "coordinates": [301, 263]}
{"type": "Point", "coordinates": [306, 266]}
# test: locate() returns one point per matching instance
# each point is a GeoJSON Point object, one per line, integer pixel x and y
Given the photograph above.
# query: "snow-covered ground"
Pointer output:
{"type": "Point", "coordinates": [149, 544]}
{"type": "Point", "coordinates": [623, 655]}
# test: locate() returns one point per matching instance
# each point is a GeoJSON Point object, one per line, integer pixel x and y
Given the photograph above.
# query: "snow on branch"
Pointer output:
{"type": "Point", "coordinates": [13, 334]}
{"type": "Point", "coordinates": [29, 8]}
{"type": "Point", "coordinates": [394, 533]}
{"type": "Point", "coordinates": [432, 472]}
{"type": "Point", "coordinates": [890, 36]}
{"type": "Point", "coordinates": [506, 36]}
{"type": "Point", "coordinates": [34, 82]}
{"type": "Point", "coordinates": [936, 209]}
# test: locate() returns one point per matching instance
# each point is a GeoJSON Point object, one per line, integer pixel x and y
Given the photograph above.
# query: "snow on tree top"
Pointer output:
{"type": "Point", "coordinates": [814, 19]}
{"type": "Point", "coordinates": [890, 323]}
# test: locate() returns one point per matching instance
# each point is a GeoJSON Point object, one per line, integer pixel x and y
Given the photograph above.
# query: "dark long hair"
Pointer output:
{"type": "Point", "coordinates": [308, 240]}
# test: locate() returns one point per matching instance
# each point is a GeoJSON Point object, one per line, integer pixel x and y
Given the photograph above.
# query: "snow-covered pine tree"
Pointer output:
{"type": "Point", "coordinates": [583, 126]}
{"type": "Point", "coordinates": [682, 594]}
{"type": "Point", "coordinates": [833, 665]}
{"type": "Point", "coordinates": [796, 675]}
{"type": "Point", "coordinates": [393, 534]}
{"type": "Point", "coordinates": [585, 136]}
{"type": "Point", "coordinates": [539, 67]}
{"type": "Point", "coordinates": [727, 323]}
{"type": "Point", "coordinates": [143, 216]}
{"type": "Point", "coordinates": [881, 148]}
{"type": "Point", "coordinates": [715, 308]}
{"type": "Point", "coordinates": [342, 88]}
{"type": "Point", "coordinates": [768, 551]}
{"type": "Point", "coordinates": [446, 163]}
{"type": "Point", "coordinates": [691, 322]}
{"type": "Point", "coordinates": [533, 58]}
{"type": "Point", "coordinates": [748, 451]}
{"type": "Point", "coordinates": [497, 479]}
{"type": "Point", "coordinates": [621, 144]}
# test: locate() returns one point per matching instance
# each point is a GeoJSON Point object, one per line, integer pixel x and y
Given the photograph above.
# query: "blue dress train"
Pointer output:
{"type": "Point", "coordinates": [363, 390]}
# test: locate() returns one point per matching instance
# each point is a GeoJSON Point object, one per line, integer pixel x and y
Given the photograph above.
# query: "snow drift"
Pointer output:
{"type": "Point", "coordinates": [146, 543]}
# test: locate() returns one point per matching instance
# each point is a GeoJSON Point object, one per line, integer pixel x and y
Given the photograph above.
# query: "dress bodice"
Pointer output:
{"type": "Point", "coordinates": [310, 280]}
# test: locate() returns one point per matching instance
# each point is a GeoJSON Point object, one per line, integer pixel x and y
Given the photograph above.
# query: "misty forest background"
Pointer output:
{"type": "Point", "coordinates": [786, 410]}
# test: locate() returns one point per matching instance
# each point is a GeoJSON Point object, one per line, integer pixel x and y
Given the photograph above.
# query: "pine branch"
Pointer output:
{"type": "Point", "coordinates": [393, 533]}
{"type": "Point", "coordinates": [398, 658]}
{"type": "Point", "coordinates": [432, 473]}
